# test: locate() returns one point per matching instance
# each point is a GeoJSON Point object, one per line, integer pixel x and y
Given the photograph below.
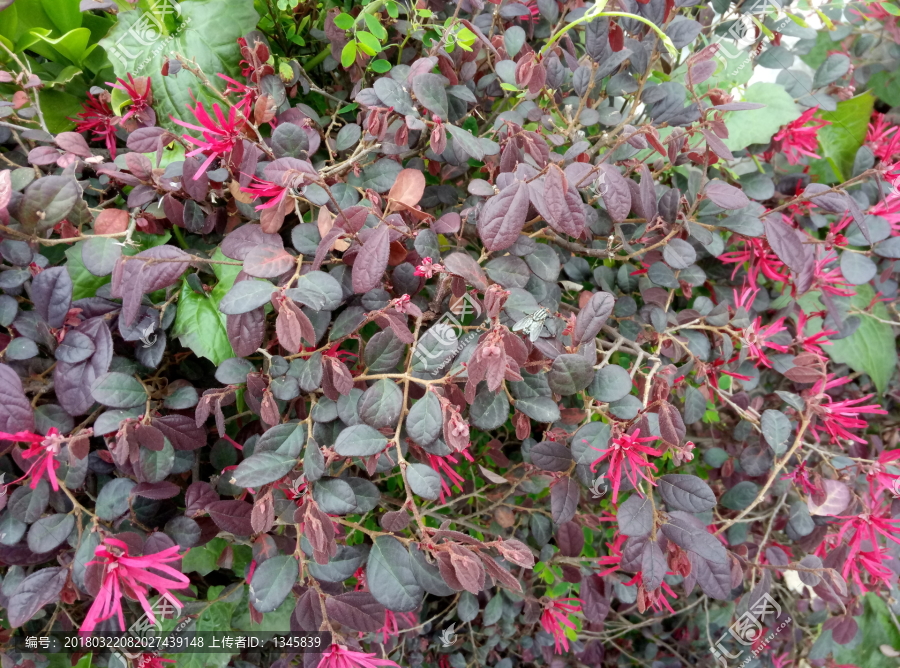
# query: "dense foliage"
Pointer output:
{"type": "Point", "coordinates": [477, 334]}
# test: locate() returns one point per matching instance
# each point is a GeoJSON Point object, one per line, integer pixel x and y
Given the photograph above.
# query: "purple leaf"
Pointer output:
{"type": "Point", "coordinates": [615, 192]}
{"type": "Point", "coordinates": [686, 492]}
{"type": "Point", "coordinates": [16, 413]}
{"type": "Point", "coordinates": [502, 217]}
{"type": "Point", "coordinates": [33, 593]}
{"type": "Point", "coordinates": [463, 264]}
{"type": "Point", "coordinates": [240, 242]}
{"type": "Point", "coordinates": [51, 294]}
{"type": "Point", "coordinates": [232, 516]}
{"type": "Point", "coordinates": [592, 317]}
{"type": "Point", "coordinates": [148, 271]}
{"type": "Point", "coordinates": [635, 516]}
{"type": "Point", "coordinates": [788, 244]}
{"type": "Point", "coordinates": [371, 261]}
{"type": "Point", "coordinates": [558, 202]}
{"type": "Point", "coordinates": [72, 382]}
{"type": "Point", "coordinates": [653, 565]}
{"type": "Point", "coordinates": [725, 195]}
{"type": "Point", "coordinates": [564, 496]}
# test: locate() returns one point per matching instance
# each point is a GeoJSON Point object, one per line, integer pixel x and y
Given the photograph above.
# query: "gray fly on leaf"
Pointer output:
{"type": "Point", "coordinates": [532, 323]}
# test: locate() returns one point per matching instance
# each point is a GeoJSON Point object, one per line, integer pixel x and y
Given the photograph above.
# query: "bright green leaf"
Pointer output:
{"type": "Point", "coordinates": [758, 126]}
{"type": "Point", "coordinates": [368, 43]}
{"type": "Point", "coordinates": [348, 54]}
{"type": "Point", "coordinates": [375, 27]}
{"type": "Point", "coordinates": [344, 21]}
{"type": "Point", "coordinates": [872, 348]}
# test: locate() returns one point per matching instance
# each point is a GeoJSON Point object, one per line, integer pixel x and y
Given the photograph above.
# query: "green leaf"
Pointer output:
{"type": "Point", "coordinates": [424, 481]}
{"type": "Point", "coordinates": [390, 576]}
{"type": "Point", "coordinates": [112, 502]}
{"type": "Point", "coordinates": [424, 421]}
{"type": "Point", "coordinates": [740, 496]}
{"type": "Point", "coordinates": [262, 468]}
{"type": "Point", "coordinates": [392, 9]}
{"type": "Point", "coordinates": [203, 559]}
{"type": "Point", "coordinates": [118, 390]}
{"type": "Point", "coordinates": [335, 496]}
{"type": "Point", "coordinates": [375, 27]}
{"type": "Point", "coordinates": [877, 630]}
{"type": "Point", "coordinates": [840, 140]}
{"type": "Point", "coordinates": [246, 296]}
{"type": "Point", "coordinates": [776, 429]}
{"type": "Point", "coordinates": [348, 54]}
{"type": "Point", "coordinates": [199, 324]}
{"type": "Point", "coordinates": [360, 440]}
{"type": "Point", "coordinates": [206, 30]}
{"type": "Point", "coordinates": [318, 290]}
{"type": "Point", "coordinates": [272, 582]}
{"type": "Point", "coordinates": [381, 66]}
{"type": "Point", "coordinates": [758, 126]}
{"type": "Point", "coordinates": [368, 43]}
{"type": "Point", "coordinates": [871, 349]}
{"type": "Point", "coordinates": [344, 21]}
{"type": "Point", "coordinates": [50, 532]}
{"type": "Point", "coordinates": [157, 465]}
{"type": "Point", "coordinates": [380, 405]}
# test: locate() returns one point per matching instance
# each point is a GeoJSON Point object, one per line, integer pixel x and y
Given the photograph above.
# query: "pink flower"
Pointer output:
{"type": "Point", "coordinates": [338, 656]}
{"type": "Point", "coordinates": [249, 94]}
{"type": "Point", "coordinates": [812, 344]}
{"type": "Point", "coordinates": [756, 337]}
{"type": "Point", "coordinates": [555, 620]}
{"type": "Point", "coordinates": [45, 449]}
{"type": "Point", "coordinates": [800, 477]}
{"type": "Point", "coordinates": [441, 465]}
{"type": "Point", "coordinates": [614, 559]}
{"type": "Point", "coordinates": [152, 661]}
{"type": "Point", "coordinates": [403, 305]}
{"type": "Point", "coordinates": [428, 268]}
{"type": "Point", "coordinates": [261, 188]}
{"type": "Point", "coordinates": [882, 138]}
{"type": "Point", "coordinates": [391, 629]}
{"type": "Point", "coordinates": [828, 279]}
{"type": "Point", "coordinates": [797, 139]}
{"type": "Point", "coordinates": [141, 94]}
{"type": "Point", "coordinates": [878, 475]}
{"type": "Point", "coordinates": [836, 417]}
{"type": "Point", "coordinates": [760, 259]}
{"type": "Point", "coordinates": [627, 453]}
{"type": "Point", "coordinates": [132, 577]}
{"type": "Point", "coordinates": [219, 139]}
{"type": "Point", "coordinates": [654, 600]}
{"type": "Point", "coordinates": [98, 118]}
{"type": "Point", "coordinates": [864, 531]}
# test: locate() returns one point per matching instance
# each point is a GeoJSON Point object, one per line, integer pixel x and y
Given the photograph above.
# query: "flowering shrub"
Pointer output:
{"type": "Point", "coordinates": [528, 333]}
